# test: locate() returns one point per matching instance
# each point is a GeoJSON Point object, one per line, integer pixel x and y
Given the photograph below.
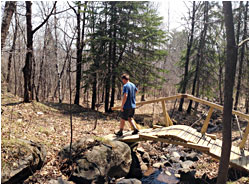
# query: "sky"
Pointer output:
{"type": "Point", "coordinates": [177, 9]}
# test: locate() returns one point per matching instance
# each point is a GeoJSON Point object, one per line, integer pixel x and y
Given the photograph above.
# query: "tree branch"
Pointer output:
{"type": "Point", "coordinates": [243, 42]}
{"type": "Point", "coordinates": [38, 27]}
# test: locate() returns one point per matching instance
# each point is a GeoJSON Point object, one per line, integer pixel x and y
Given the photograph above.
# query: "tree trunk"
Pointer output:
{"type": "Point", "coordinates": [28, 61]}
{"type": "Point", "coordinates": [9, 8]}
{"type": "Point", "coordinates": [12, 51]}
{"type": "Point", "coordinates": [228, 93]}
{"type": "Point", "coordinates": [114, 62]}
{"type": "Point", "coordinates": [80, 44]}
{"type": "Point", "coordinates": [93, 102]}
{"type": "Point", "coordinates": [41, 64]}
{"type": "Point", "coordinates": [189, 46]}
{"type": "Point", "coordinates": [107, 88]}
{"type": "Point", "coordinates": [199, 57]}
{"type": "Point", "coordinates": [220, 79]}
{"type": "Point", "coordinates": [79, 55]}
{"type": "Point", "coordinates": [241, 57]}
{"type": "Point", "coordinates": [247, 102]}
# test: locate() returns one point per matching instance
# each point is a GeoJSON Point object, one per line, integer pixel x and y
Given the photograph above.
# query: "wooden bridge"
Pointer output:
{"type": "Point", "coordinates": [189, 137]}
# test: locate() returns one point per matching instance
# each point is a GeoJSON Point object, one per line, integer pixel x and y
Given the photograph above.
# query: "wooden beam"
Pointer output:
{"type": "Point", "coordinates": [206, 122]}
{"type": "Point", "coordinates": [216, 106]}
{"type": "Point", "coordinates": [165, 113]}
{"type": "Point", "coordinates": [190, 97]}
{"type": "Point", "coordinates": [242, 143]}
{"type": "Point", "coordinates": [211, 135]}
{"type": "Point", "coordinates": [157, 126]}
{"type": "Point", "coordinates": [152, 101]}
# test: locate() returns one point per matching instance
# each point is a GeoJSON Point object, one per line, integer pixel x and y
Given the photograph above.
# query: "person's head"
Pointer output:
{"type": "Point", "coordinates": [125, 78]}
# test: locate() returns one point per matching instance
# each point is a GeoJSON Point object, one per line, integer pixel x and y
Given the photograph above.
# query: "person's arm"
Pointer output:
{"type": "Point", "coordinates": [124, 99]}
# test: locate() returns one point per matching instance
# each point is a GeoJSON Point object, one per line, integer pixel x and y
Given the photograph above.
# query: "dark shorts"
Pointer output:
{"type": "Point", "coordinates": [127, 113]}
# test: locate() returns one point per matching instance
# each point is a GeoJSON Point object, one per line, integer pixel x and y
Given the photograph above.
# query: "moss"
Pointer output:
{"type": "Point", "coordinates": [44, 131]}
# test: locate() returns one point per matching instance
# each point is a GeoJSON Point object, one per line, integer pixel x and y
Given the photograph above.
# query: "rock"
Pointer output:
{"type": "Point", "coordinates": [187, 164]}
{"type": "Point", "coordinates": [163, 158]}
{"type": "Point", "coordinates": [174, 160]}
{"type": "Point", "coordinates": [146, 157]}
{"type": "Point", "coordinates": [176, 155]}
{"type": "Point", "coordinates": [177, 175]}
{"type": "Point", "coordinates": [31, 159]}
{"type": "Point", "coordinates": [140, 150]}
{"type": "Point", "coordinates": [144, 167]}
{"type": "Point", "coordinates": [183, 158]}
{"type": "Point", "coordinates": [192, 156]}
{"type": "Point", "coordinates": [167, 164]}
{"type": "Point", "coordinates": [167, 173]}
{"type": "Point", "coordinates": [158, 165]}
{"type": "Point", "coordinates": [129, 181]}
{"type": "Point", "coordinates": [58, 181]}
{"type": "Point", "coordinates": [95, 160]}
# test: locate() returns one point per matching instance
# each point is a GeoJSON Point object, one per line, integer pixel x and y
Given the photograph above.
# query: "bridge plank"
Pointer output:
{"type": "Point", "coordinates": [190, 134]}
{"type": "Point", "coordinates": [183, 136]}
{"type": "Point", "coordinates": [207, 140]}
{"type": "Point", "coordinates": [191, 139]}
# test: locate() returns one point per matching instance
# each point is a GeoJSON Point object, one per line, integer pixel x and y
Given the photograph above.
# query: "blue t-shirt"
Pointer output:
{"type": "Point", "coordinates": [130, 89]}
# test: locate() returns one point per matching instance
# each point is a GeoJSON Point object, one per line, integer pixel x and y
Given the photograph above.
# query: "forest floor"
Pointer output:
{"type": "Point", "coordinates": [49, 124]}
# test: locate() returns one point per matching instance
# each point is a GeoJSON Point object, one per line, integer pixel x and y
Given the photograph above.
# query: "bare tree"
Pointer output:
{"type": "Point", "coordinates": [9, 9]}
{"type": "Point", "coordinates": [242, 54]}
{"type": "Point", "coordinates": [189, 46]}
{"type": "Point", "coordinates": [228, 93]}
{"type": "Point", "coordinates": [27, 69]}
{"type": "Point", "coordinates": [12, 50]}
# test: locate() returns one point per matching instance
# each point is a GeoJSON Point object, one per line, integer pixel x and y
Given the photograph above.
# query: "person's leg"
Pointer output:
{"type": "Point", "coordinates": [124, 116]}
{"type": "Point", "coordinates": [122, 123]}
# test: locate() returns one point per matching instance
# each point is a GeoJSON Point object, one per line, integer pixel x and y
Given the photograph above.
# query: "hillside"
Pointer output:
{"type": "Point", "coordinates": [48, 124]}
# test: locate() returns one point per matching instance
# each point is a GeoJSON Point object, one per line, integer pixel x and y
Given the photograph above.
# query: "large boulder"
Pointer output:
{"type": "Point", "coordinates": [129, 181]}
{"type": "Point", "coordinates": [26, 157]}
{"type": "Point", "coordinates": [96, 160]}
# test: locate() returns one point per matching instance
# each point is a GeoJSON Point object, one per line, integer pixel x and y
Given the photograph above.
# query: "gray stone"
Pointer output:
{"type": "Point", "coordinates": [163, 157]}
{"type": "Point", "coordinates": [158, 165]}
{"type": "Point", "coordinates": [25, 165]}
{"type": "Point", "coordinates": [174, 160]}
{"type": "Point", "coordinates": [192, 156]}
{"type": "Point", "coordinates": [129, 181]}
{"type": "Point", "coordinates": [95, 160]}
{"type": "Point", "coordinates": [140, 150]}
{"type": "Point", "coordinates": [187, 164]}
{"type": "Point", "coordinates": [176, 155]}
{"type": "Point", "coordinates": [167, 164]}
{"type": "Point", "coordinates": [58, 181]}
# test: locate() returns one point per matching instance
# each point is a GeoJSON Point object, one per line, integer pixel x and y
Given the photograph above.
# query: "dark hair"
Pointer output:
{"type": "Point", "coordinates": [125, 76]}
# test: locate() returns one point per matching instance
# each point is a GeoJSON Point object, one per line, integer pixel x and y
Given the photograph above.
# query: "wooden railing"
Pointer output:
{"type": "Point", "coordinates": [168, 121]}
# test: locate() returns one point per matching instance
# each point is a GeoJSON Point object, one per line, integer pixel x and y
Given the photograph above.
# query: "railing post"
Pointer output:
{"type": "Point", "coordinates": [205, 125]}
{"type": "Point", "coordinates": [167, 119]}
{"type": "Point", "coordinates": [244, 139]}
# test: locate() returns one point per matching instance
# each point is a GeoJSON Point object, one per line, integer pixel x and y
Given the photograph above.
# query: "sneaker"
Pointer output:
{"type": "Point", "coordinates": [135, 132]}
{"type": "Point", "coordinates": [119, 133]}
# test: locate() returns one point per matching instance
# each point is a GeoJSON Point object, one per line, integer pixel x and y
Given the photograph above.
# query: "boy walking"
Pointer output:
{"type": "Point", "coordinates": [128, 104]}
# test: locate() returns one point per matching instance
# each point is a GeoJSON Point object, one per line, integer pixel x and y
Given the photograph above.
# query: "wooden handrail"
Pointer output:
{"type": "Point", "coordinates": [216, 106]}
{"type": "Point", "coordinates": [190, 97]}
